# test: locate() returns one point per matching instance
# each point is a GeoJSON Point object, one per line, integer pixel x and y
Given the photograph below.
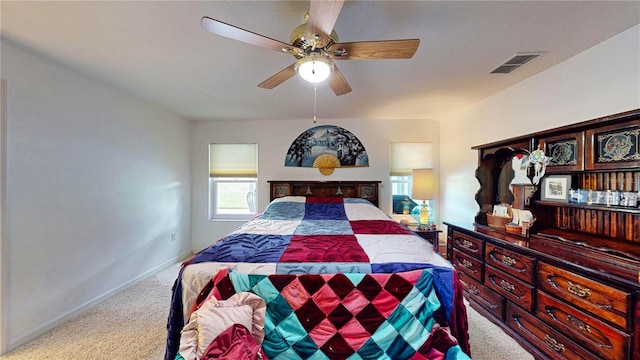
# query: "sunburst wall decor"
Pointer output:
{"type": "Point", "coordinates": [327, 147]}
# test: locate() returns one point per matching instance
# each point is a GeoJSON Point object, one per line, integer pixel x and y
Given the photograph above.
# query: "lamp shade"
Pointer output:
{"type": "Point", "coordinates": [423, 184]}
{"type": "Point", "coordinates": [314, 69]}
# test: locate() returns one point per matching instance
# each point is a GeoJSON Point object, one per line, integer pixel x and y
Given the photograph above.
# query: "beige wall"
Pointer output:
{"type": "Point", "coordinates": [602, 80]}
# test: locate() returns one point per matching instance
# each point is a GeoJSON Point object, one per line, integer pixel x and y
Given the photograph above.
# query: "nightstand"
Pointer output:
{"type": "Point", "coordinates": [430, 235]}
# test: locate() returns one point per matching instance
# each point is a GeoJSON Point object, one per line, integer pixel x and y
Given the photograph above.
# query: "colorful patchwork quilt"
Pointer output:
{"type": "Point", "coordinates": [306, 235]}
{"type": "Point", "coordinates": [347, 316]}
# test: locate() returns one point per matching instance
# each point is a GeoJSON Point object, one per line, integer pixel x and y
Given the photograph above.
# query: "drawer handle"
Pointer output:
{"type": "Point", "coordinates": [553, 343]}
{"type": "Point", "coordinates": [509, 261]}
{"type": "Point", "coordinates": [468, 265]}
{"type": "Point", "coordinates": [516, 318]}
{"type": "Point", "coordinates": [474, 290]}
{"type": "Point", "coordinates": [466, 243]}
{"type": "Point", "coordinates": [507, 285]}
{"type": "Point", "coordinates": [578, 290]}
{"type": "Point", "coordinates": [579, 324]}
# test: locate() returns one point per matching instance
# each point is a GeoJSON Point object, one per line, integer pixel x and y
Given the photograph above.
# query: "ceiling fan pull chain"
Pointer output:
{"type": "Point", "coordinates": [315, 92]}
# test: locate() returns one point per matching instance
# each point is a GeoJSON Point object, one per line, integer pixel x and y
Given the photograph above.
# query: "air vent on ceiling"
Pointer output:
{"type": "Point", "coordinates": [515, 62]}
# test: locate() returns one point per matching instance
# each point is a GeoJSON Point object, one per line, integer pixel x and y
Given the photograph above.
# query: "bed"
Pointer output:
{"type": "Point", "coordinates": [328, 275]}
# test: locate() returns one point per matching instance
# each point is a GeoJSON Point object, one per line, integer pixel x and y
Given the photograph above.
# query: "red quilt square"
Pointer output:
{"type": "Point", "coordinates": [295, 294]}
{"type": "Point", "coordinates": [370, 318]}
{"type": "Point", "coordinates": [340, 316]}
{"type": "Point", "coordinates": [312, 282]}
{"type": "Point", "coordinates": [354, 333]}
{"type": "Point", "coordinates": [378, 227]}
{"type": "Point", "coordinates": [326, 299]}
{"type": "Point", "coordinates": [340, 285]}
{"type": "Point", "coordinates": [355, 301]}
{"type": "Point", "coordinates": [398, 287]}
{"type": "Point", "coordinates": [310, 315]}
{"type": "Point", "coordinates": [337, 348]}
{"type": "Point", "coordinates": [322, 332]}
{"type": "Point", "coordinates": [369, 287]}
{"type": "Point", "coordinates": [324, 248]}
{"type": "Point", "coordinates": [385, 303]}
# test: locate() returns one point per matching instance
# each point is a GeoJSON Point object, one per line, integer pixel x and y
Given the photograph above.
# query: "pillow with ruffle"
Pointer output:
{"type": "Point", "coordinates": [215, 316]}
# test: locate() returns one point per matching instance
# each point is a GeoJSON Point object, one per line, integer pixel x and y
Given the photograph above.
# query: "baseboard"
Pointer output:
{"type": "Point", "coordinates": [42, 329]}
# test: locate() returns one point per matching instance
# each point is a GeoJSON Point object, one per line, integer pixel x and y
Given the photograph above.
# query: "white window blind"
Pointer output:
{"type": "Point", "coordinates": [233, 160]}
{"type": "Point", "coordinates": [406, 156]}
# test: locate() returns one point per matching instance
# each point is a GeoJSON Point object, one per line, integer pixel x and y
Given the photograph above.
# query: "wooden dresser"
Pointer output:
{"type": "Point", "coordinates": [570, 287]}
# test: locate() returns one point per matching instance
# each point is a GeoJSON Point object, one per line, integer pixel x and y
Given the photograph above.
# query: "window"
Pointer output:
{"type": "Point", "coordinates": [233, 177]}
{"type": "Point", "coordinates": [404, 157]}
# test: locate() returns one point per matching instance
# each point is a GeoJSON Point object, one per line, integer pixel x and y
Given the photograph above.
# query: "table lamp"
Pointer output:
{"type": "Point", "coordinates": [423, 187]}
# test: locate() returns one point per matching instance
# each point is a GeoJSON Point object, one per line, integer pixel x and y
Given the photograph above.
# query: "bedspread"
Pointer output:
{"type": "Point", "coordinates": [307, 235]}
{"type": "Point", "coordinates": [331, 235]}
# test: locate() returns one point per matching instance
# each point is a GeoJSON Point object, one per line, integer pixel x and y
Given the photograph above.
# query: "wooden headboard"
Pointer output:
{"type": "Point", "coordinates": [367, 189]}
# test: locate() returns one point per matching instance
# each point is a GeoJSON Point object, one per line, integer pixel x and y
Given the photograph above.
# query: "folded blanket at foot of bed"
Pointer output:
{"type": "Point", "coordinates": [345, 316]}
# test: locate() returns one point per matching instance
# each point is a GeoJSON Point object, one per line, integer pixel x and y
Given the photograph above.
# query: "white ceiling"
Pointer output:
{"type": "Point", "coordinates": [156, 50]}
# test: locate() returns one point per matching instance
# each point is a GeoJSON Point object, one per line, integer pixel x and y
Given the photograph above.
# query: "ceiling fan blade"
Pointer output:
{"type": "Point", "coordinates": [277, 79]}
{"type": "Point", "coordinates": [233, 32]}
{"type": "Point", "coordinates": [322, 18]}
{"type": "Point", "coordinates": [338, 83]}
{"type": "Point", "coordinates": [366, 50]}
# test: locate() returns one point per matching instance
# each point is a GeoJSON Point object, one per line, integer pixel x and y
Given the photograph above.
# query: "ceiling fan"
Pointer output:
{"type": "Point", "coordinates": [315, 46]}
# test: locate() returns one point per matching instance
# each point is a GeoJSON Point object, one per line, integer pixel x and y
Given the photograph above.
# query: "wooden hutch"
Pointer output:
{"type": "Point", "coordinates": [569, 288]}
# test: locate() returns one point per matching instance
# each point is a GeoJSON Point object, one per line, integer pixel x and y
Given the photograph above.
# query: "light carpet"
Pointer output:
{"type": "Point", "coordinates": [131, 325]}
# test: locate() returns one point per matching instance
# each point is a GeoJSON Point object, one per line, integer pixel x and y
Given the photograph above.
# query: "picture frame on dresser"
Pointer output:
{"type": "Point", "coordinates": [555, 188]}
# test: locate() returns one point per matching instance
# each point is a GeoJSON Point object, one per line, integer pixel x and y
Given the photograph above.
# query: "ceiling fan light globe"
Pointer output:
{"type": "Point", "coordinates": [314, 70]}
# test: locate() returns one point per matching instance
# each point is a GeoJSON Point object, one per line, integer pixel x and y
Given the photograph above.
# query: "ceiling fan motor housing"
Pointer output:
{"type": "Point", "coordinates": [298, 36]}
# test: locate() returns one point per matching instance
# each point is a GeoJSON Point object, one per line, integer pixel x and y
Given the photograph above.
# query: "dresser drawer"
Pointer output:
{"type": "Point", "coordinates": [468, 244]}
{"type": "Point", "coordinates": [543, 337]}
{"type": "Point", "coordinates": [592, 333]}
{"type": "Point", "coordinates": [604, 301]}
{"type": "Point", "coordinates": [467, 264]}
{"type": "Point", "coordinates": [511, 288]}
{"type": "Point", "coordinates": [483, 296]}
{"type": "Point", "coordinates": [518, 265]}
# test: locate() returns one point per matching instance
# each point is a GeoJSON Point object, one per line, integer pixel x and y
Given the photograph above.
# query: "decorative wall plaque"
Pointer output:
{"type": "Point", "coordinates": [327, 147]}
{"type": "Point", "coordinates": [614, 146]}
{"type": "Point", "coordinates": [565, 152]}
{"type": "Point", "coordinates": [562, 153]}
{"type": "Point", "coordinates": [617, 146]}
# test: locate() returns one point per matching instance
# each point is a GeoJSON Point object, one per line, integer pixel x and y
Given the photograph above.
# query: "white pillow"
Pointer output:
{"type": "Point", "coordinates": [215, 316]}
